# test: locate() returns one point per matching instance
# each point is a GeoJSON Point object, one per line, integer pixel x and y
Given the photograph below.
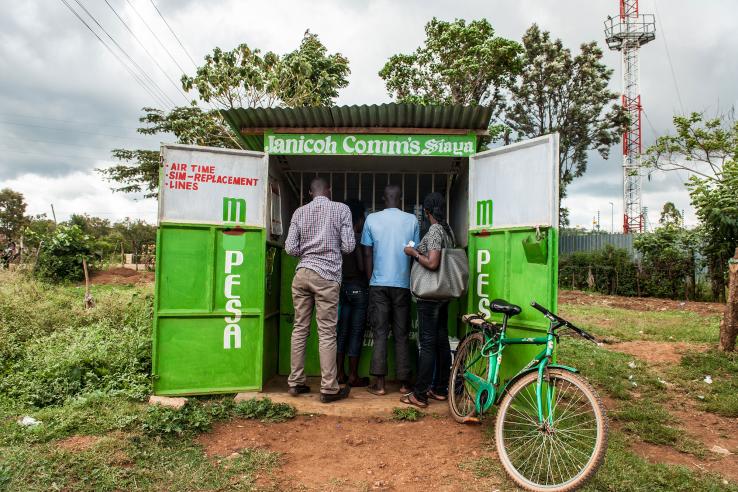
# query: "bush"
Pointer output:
{"type": "Point", "coordinates": [668, 261]}
{"type": "Point", "coordinates": [408, 414]}
{"type": "Point", "coordinates": [61, 252]}
{"type": "Point", "coordinates": [613, 271]}
{"type": "Point", "coordinates": [264, 410]}
{"type": "Point", "coordinates": [196, 416]}
{"type": "Point", "coordinates": [165, 421]}
{"type": "Point", "coordinates": [51, 349]}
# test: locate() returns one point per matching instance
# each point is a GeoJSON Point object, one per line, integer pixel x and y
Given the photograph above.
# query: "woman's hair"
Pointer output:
{"type": "Point", "coordinates": [357, 210]}
{"type": "Point", "coordinates": [435, 204]}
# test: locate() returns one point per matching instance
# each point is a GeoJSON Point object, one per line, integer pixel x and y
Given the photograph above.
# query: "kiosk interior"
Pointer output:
{"type": "Point", "coordinates": [223, 308]}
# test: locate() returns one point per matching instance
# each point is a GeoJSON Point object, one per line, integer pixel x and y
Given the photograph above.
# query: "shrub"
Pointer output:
{"type": "Point", "coordinates": [61, 253]}
{"type": "Point", "coordinates": [264, 410]}
{"type": "Point", "coordinates": [409, 414]}
{"type": "Point", "coordinates": [613, 271]}
{"type": "Point", "coordinates": [51, 349]}
{"type": "Point", "coordinates": [166, 421]}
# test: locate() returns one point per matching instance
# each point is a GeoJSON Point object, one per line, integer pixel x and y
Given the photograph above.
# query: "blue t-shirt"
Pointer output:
{"type": "Point", "coordinates": [388, 232]}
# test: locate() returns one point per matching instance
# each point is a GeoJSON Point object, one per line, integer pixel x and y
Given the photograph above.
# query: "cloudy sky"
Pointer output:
{"type": "Point", "coordinates": [65, 101]}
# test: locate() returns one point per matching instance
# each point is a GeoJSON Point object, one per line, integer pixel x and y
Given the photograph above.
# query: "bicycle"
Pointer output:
{"type": "Point", "coordinates": [551, 427]}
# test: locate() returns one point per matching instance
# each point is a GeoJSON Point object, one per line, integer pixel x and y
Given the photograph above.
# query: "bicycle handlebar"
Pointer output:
{"type": "Point", "coordinates": [562, 322]}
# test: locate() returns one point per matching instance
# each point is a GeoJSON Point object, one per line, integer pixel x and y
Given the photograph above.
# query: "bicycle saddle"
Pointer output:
{"type": "Point", "coordinates": [504, 307]}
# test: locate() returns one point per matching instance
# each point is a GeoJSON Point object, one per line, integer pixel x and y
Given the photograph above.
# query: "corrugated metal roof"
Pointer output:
{"type": "Point", "coordinates": [390, 115]}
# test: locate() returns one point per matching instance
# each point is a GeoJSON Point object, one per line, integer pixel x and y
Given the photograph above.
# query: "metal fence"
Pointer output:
{"type": "Point", "coordinates": [572, 242]}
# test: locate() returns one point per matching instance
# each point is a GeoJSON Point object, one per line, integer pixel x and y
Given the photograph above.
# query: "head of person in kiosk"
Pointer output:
{"type": "Point", "coordinates": [434, 361]}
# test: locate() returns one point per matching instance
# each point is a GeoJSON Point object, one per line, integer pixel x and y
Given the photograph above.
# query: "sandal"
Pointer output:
{"type": "Point", "coordinates": [376, 391]}
{"type": "Point", "coordinates": [410, 399]}
{"type": "Point", "coordinates": [435, 396]}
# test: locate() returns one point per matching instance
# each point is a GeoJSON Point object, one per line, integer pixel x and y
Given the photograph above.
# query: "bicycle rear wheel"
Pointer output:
{"type": "Point", "coordinates": [462, 393]}
{"type": "Point", "coordinates": [560, 455]}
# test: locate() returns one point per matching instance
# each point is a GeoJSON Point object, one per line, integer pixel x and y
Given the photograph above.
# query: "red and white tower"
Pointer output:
{"type": "Point", "coordinates": [627, 33]}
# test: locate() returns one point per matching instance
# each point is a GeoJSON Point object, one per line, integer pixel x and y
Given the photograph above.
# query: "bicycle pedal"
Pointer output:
{"type": "Point", "coordinates": [472, 420]}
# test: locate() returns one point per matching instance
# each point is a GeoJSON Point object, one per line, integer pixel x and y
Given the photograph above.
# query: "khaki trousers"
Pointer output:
{"type": "Point", "coordinates": [311, 290]}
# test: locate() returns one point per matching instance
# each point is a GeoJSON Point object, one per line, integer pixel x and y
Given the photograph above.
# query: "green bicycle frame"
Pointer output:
{"type": "Point", "coordinates": [487, 388]}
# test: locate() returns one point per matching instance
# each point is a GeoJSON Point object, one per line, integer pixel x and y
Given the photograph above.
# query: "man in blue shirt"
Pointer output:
{"type": "Point", "coordinates": [384, 238]}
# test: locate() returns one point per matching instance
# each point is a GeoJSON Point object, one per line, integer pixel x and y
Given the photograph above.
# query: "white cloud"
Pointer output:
{"type": "Point", "coordinates": [79, 193]}
{"type": "Point", "coordinates": [52, 67]}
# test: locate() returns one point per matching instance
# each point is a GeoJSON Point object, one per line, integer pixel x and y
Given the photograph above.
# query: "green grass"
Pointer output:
{"type": "Point", "coordinates": [85, 373]}
{"type": "Point", "coordinates": [127, 463]}
{"type": "Point", "coordinates": [610, 371]}
{"type": "Point", "coordinates": [720, 397]}
{"type": "Point", "coordinates": [622, 471]}
{"type": "Point", "coordinates": [627, 325]}
{"type": "Point", "coordinates": [408, 414]}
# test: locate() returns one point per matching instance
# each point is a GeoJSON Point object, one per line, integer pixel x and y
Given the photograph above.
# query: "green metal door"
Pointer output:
{"type": "Point", "coordinates": [513, 237]}
{"type": "Point", "coordinates": [210, 272]}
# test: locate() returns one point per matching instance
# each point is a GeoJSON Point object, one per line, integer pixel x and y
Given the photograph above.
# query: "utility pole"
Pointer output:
{"type": "Point", "coordinates": [627, 33]}
{"type": "Point", "coordinates": [53, 214]}
{"type": "Point", "coordinates": [612, 217]}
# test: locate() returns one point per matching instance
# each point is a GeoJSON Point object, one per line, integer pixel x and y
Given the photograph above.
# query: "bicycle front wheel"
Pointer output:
{"type": "Point", "coordinates": [568, 448]}
{"type": "Point", "coordinates": [462, 393]}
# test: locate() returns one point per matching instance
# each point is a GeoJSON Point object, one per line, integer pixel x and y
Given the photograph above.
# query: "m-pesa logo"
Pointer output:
{"type": "Point", "coordinates": [234, 210]}
{"type": "Point", "coordinates": [232, 331]}
{"type": "Point", "coordinates": [484, 213]}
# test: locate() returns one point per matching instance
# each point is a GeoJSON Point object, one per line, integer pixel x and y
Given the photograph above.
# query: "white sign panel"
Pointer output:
{"type": "Point", "coordinates": [212, 186]}
{"type": "Point", "coordinates": [515, 185]}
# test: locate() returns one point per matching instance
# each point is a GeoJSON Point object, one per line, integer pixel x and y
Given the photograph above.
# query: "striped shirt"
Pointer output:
{"type": "Point", "coordinates": [319, 233]}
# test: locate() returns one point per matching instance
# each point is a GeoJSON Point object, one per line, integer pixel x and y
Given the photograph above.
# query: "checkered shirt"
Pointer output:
{"type": "Point", "coordinates": [319, 233]}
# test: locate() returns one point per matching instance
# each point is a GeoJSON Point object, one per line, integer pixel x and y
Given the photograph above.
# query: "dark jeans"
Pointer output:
{"type": "Point", "coordinates": [435, 351]}
{"type": "Point", "coordinates": [353, 300]}
{"type": "Point", "coordinates": [389, 308]}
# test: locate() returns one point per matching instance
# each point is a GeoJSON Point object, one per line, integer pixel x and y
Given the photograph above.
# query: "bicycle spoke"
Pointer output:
{"type": "Point", "coordinates": [556, 454]}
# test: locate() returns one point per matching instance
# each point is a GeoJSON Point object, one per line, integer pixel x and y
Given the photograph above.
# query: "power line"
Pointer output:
{"type": "Point", "coordinates": [176, 87]}
{"type": "Point", "coordinates": [156, 37]}
{"type": "Point", "coordinates": [125, 53]}
{"type": "Point", "coordinates": [117, 57]}
{"type": "Point", "coordinates": [74, 122]}
{"type": "Point", "coordinates": [73, 130]}
{"type": "Point", "coordinates": [55, 155]}
{"type": "Point", "coordinates": [174, 34]}
{"type": "Point", "coordinates": [212, 106]}
{"type": "Point", "coordinates": [57, 142]}
{"type": "Point", "coordinates": [668, 57]}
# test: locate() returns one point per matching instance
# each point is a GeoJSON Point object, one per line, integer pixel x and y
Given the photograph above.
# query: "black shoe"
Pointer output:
{"type": "Point", "coordinates": [342, 393]}
{"type": "Point", "coordinates": [298, 390]}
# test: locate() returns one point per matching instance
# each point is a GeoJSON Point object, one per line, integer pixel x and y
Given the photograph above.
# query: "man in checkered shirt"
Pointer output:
{"type": "Point", "coordinates": [319, 233]}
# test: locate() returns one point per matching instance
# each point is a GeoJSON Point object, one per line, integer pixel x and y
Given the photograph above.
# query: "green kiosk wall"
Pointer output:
{"type": "Point", "coordinates": [210, 302]}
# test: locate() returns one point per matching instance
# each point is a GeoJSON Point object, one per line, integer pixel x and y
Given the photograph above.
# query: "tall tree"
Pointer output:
{"type": "Point", "coordinates": [670, 215]}
{"type": "Point", "coordinates": [12, 213]}
{"type": "Point", "coordinates": [561, 92]}
{"type": "Point", "coordinates": [242, 77]}
{"type": "Point", "coordinates": [458, 63]}
{"type": "Point", "coordinates": [708, 149]}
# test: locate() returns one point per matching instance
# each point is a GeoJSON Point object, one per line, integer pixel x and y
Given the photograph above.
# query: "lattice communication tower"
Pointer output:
{"type": "Point", "coordinates": [627, 33]}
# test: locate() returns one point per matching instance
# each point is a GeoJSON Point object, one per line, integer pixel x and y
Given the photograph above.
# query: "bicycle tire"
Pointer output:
{"type": "Point", "coordinates": [458, 388]}
{"type": "Point", "coordinates": [582, 474]}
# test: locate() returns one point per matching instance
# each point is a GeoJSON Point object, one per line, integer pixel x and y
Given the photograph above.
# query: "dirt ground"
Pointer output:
{"type": "Point", "coordinates": [656, 353]}
{"type": "Point", "coordinates": [333, 453]}
{"type": "Point", "coordinates": [77, 443]}
{"type": "Point", "coordinates": [639, 303]}
{"type": "Point", "coordinates": [121, 276]}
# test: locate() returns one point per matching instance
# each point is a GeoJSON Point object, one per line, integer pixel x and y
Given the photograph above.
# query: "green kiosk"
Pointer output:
{"type": "Point", "coordinates": [223, 310]}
